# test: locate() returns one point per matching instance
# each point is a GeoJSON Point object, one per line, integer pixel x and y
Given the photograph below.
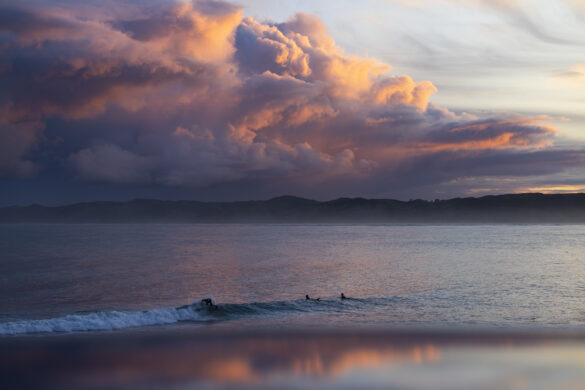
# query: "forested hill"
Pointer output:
{"type": "Point", "coordinates": [288, 209]}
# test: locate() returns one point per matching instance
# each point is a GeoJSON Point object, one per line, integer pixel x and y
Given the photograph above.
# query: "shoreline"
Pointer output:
{"type": "Point", "coordinates": [244, 358]}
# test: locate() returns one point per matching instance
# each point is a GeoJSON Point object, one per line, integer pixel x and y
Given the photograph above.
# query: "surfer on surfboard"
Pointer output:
{"type": "Point", "coordinates": [210, 305]}
{"type": "Point", "coordinates": [308, 298]}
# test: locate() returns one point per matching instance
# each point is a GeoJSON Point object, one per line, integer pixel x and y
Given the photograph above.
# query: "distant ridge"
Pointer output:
{"type": "Point", "coordinates": [531, 207]}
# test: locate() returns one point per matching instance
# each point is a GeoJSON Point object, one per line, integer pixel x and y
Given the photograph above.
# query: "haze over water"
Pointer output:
{"type": "Point", "coordinates": [469, 276]}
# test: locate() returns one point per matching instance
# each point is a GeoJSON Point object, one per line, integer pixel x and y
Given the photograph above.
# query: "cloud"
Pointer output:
{"type": "Point", "coordinates": [110, 163]}
{"type": "Point", "coordinates": [513, 133]}
{"type": "Point", "coordinates": [82, 65]}
{"type": "Point", "coordinates": [201, 30]}
{"type": "Point", "coordinates": [17, 140]}
{"type": "Point", "coordinates": [192, 94]}
{"type": "Point", "coordinates": [521, 13]}
{"type": "Point", "coordinates": [571, 78]}
{"type": "Point", "coordinates": [575, 73]}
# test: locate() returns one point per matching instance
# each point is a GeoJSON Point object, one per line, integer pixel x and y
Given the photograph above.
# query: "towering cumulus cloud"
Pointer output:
{"type": "Point", "coordinates": [192, 94]}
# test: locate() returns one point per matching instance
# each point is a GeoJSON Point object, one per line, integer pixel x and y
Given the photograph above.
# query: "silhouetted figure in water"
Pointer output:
{"type": "Point", "coordinates": [209, 303]}
{"type": "Point", "coordinates": [343, 296]}
{"type": "Point", "coordinates": [308, 298]}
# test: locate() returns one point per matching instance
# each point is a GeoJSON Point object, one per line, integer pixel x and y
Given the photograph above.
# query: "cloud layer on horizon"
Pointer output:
{"type": "Point", "coordinates": [192, 94]}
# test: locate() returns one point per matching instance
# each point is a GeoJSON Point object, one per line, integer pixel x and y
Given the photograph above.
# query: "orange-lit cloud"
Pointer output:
{"type": "Point", "coordinates": [514, 133]}
{"type": "Point", "coordinates": [192, 94]}
{"type": "Point", "coordinates": [301, 48]}
{"type": "Point", "coordinates": [322, 359]}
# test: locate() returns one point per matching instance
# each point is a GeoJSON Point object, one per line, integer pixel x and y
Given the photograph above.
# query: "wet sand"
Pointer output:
{"type": "Point", "coordinates": [184, 357]}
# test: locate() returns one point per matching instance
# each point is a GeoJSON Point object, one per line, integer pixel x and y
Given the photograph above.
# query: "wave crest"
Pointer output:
{"type": "Point", "coordinates": [196, 312]}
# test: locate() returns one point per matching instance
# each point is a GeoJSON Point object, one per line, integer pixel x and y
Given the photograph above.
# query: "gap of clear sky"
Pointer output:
{"type": "Point", "coordinates": [213, 100]}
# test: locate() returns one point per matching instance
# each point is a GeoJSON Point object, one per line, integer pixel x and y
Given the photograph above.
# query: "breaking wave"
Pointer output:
{"type": "Point", "coordinates": [195, 312]}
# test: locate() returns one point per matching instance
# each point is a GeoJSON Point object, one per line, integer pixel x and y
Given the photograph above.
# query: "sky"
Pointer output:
{"type": "Point", "coordinates": [211, 100]}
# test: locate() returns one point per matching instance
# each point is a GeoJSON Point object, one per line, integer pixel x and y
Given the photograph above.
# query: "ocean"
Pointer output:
{"type": "Point", "coordinates": [431, 307]}
{"type": "Point", "coordinates": [94, 277]}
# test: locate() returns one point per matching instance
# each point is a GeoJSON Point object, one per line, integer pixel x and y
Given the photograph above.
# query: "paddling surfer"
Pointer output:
{"type": "Point", "coordinates": [308, 298]}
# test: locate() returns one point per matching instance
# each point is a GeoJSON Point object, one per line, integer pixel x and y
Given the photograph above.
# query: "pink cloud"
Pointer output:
{"type": "Point", "coordinates": [193, 94]}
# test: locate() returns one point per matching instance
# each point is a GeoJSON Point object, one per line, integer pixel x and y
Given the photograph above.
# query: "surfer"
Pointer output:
{"type": "Point", "coordinates": [343, 296]}
{"type": "Point", "coordinates": [209, 303]}
{"type": "Point", "coordinates": [308, 298]}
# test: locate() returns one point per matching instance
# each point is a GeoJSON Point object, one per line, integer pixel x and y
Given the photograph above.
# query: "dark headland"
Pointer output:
{"type": "Point", "coordinates": [533, 207]}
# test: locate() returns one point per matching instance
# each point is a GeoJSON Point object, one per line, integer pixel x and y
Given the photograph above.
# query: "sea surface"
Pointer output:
{"type": "Point", "coordinates": [64, 278]}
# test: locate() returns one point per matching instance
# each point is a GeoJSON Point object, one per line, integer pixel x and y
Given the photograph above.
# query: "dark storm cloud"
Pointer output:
{"type": "Point", "coordinates": [191, 94]}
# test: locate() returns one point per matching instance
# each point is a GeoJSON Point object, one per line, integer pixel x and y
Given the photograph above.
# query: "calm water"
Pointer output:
{"type": "Point", "coordinates": [94, 277]}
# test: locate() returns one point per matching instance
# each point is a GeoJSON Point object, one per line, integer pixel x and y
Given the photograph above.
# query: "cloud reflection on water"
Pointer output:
{"type": "Point", "coordinates": [296, 360]}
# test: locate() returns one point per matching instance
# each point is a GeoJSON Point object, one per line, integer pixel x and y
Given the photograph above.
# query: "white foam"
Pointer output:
{"type": "Point", "coordinates": [102, 321]}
